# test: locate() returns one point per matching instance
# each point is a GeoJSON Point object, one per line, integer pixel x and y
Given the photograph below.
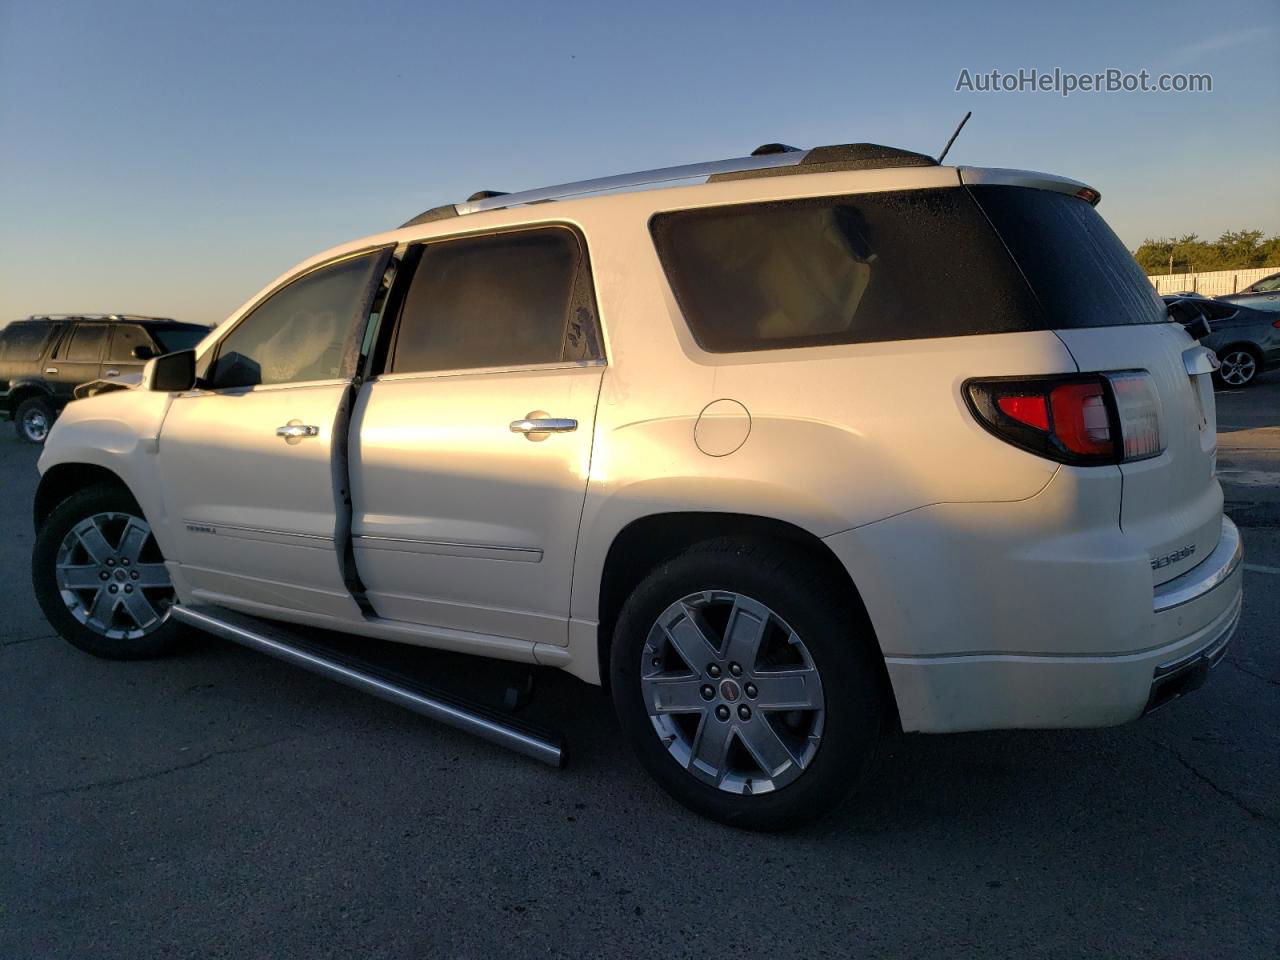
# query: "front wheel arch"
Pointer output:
{"type": "Point", "coordinates": [64, 479]}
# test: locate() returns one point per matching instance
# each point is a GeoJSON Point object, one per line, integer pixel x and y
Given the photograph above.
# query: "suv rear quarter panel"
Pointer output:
{"type": "Point", "coordinates": [839, 436]}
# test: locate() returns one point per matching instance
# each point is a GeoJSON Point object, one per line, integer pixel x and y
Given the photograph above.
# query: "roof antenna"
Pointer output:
{"type": "Point", "coordinates": [945, 150]}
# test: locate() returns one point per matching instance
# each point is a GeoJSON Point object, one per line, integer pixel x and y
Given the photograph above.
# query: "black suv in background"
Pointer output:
{"type": "Point", "coordinates": [43, 359]}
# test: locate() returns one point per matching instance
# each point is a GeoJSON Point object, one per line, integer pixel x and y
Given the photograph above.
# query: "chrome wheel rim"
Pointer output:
{"type": "Point", "coordinates": [112, 577]}
{"type": "Point", "coordinates": [1238, 368]}
{"type": "Point", "coordinates": [732, 692]}
{"type": "Point", "coordinates": [35, 424]}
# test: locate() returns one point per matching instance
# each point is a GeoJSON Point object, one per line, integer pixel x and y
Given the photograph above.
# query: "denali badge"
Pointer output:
{"type": "Point", "coordinates": [1174, 557]}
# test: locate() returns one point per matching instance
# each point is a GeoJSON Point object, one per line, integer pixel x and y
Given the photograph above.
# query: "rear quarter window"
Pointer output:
{"type": "Point", "coordinates": [24, 342]}
{"type": "Point", "coordinates": [900, 265]}
{"type": "Point", "coordinates": [1081, 273]}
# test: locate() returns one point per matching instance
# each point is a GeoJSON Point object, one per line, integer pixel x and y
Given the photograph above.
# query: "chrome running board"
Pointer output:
{"type": "Point", "coordinates": [287, 643]}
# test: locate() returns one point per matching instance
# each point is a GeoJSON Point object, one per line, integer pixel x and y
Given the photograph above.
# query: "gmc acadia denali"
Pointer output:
{"type": "Point", "coordinates": [824, 444]}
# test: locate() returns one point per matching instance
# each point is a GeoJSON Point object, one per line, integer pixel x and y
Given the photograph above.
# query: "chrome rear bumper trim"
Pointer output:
{"type": "Point", "coordinates": [1204, 576]}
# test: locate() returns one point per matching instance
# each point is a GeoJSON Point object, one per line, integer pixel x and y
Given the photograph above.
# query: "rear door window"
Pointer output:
{"type": "Point", "coordinates": [86, 343]}
{"type": "Point", "coordinates": [899, 265]}
{"type": "Point", "coordinates": [1080, 272]}
{"type": "Point", "coordinates": [510, 299]}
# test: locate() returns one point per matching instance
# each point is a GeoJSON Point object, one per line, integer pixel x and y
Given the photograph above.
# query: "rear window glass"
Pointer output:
{"type": "Point", "coordinates": [1080, 271]}
{"type": "Point", "coordinates": [24, 341]}
{"type": "Point", "coordinates": [852, 269]}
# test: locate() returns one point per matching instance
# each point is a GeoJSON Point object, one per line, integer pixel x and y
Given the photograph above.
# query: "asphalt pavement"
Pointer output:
{"type": "Point", "coordinates": [221, 804]}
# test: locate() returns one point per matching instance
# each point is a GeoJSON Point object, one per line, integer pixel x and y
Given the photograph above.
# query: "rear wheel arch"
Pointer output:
{"type": "Point", "coordinates": [64, 479]}
{"type": "Point", "coordinates": [646, 543]}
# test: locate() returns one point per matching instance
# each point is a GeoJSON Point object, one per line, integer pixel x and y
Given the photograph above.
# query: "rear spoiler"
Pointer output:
{"type": "Point", "coordinates": [973, 176]}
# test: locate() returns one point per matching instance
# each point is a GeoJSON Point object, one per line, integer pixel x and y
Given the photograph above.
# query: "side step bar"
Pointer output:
{"type": "Point", "coordinates": [286, 643]}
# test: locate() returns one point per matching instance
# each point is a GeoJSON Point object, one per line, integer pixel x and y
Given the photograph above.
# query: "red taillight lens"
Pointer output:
{"type": "Point", "coordinates": [1078, 419]}
{"type": "Point", "coordinates": [1029, 410]}
{"type": "Point", "coordinates": [1276, 324]}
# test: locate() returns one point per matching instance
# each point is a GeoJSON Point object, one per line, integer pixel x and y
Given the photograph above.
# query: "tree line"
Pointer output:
{"type": "Point", "coordinates": [1234, 250]}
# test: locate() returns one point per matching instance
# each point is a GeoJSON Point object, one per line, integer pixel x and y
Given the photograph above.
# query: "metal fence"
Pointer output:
{"type": "Point", "coordinates": [1216, 284]}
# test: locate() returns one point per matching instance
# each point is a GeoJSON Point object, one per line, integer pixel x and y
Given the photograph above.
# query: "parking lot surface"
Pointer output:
{"type": "Point", "coordinates": [221, 804]}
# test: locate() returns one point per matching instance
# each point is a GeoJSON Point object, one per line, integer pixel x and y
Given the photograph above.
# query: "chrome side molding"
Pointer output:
{"type": "Point", "coordinates": [286, 643]}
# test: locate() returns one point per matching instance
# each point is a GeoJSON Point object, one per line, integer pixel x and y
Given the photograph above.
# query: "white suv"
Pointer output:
{"type": "Point", "coordinates": [829, 443]}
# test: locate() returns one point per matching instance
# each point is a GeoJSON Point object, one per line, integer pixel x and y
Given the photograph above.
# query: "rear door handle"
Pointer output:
{"type": "Point", "coordinates": [543, 425]}
{"type": "Point", "coordinates": [293, 432]}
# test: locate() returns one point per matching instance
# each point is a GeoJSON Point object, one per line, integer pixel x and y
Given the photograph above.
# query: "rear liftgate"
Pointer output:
{"type": "Point", "coordinates": [292, 646]}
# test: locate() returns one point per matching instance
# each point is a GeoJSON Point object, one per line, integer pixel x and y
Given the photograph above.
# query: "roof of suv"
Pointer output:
{"type": "Point", "coordinates": [130, 317]}
{"type": "Point", "coordinates": [770, 159]}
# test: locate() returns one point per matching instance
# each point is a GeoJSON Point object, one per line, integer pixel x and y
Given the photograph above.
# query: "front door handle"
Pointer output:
{"type": "Point", "coordinates": [538, 424]}
{"type": "Point", "coordinates": [50, 369]}
{"type": "Point", "coordinates": [294, 431]}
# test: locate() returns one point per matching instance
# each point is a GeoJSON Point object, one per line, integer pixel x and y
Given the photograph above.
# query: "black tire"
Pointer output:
{"type": "Point", "coordinates": [92, 501]}
{"type": "Point", "coordinates": [816, 605]}
{"type": "Point", "coordinates": [1233, 352]}
{"type": "Point", "coordinates": [32, 419]}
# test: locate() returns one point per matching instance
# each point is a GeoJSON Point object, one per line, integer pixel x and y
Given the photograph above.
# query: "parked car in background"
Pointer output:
{"type": "Point", "coordinates": [1247, 341]}
{"type": "Point", "coordinates": [44, 358]}
{"type": "Point", "coordinates": [1263, 295]}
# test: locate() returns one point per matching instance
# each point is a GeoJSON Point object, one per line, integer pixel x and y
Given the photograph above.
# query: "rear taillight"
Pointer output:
{"type": "Point", "coordinates": [1276, 324]}
{"type": "Point", "coordinates": [1086, 419]}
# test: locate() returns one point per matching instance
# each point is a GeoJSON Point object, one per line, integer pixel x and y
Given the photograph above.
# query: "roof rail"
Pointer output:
{"type": "Point", "coordinates": [97, 316]}
{"type": "Point", "coordinates": [768, 159]}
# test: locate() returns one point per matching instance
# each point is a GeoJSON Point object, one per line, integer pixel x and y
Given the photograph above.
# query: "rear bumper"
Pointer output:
{"type": "Point", "coordinates": [995, 692]}
{"type": "Point", "coordinates": [1065, 631]}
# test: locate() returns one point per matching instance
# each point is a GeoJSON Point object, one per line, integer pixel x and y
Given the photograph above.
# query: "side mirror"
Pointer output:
{"type": "Point", "coordinates": [1199, 327]}
{"type": "Point", "coordinates": [1193, 317]}
{"type": "Point", "coordinates": [171, 373]}
{"type": "Point", "coordinates": [143, 352]}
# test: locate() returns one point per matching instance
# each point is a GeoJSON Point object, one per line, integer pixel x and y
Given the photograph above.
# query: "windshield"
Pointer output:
{"type": "Point", "coordinates": [173, 339]}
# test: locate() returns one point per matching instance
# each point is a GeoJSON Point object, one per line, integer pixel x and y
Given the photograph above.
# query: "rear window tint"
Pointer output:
{"type": "Point", "coordinates": [1080, 271]}
{"type": "Point", "coordinates": [24, 341]}
{"type": "Point", "coordinates": [851, 269]}
{"type": "Point", "coordinates": [501, 300]}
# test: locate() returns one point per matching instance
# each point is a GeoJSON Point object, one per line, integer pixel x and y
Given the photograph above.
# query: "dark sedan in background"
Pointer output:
{"type": "Point", "coordinates": [1262, 295]}
{"type": "Point", "coordinates": [1247, 341]}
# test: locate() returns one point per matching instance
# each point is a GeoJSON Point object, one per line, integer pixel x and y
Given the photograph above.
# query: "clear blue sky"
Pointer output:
{"type": "Point", "coordinates": [172, 158]}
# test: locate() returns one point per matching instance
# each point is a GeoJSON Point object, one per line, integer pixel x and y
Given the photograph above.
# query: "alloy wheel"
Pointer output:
{"type": "Point", "coordinates": [732, 692]}
{"type": "Point", "coordinates": [111, 576]}
{"type": "Point", "coordinates": [1238, 368]}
